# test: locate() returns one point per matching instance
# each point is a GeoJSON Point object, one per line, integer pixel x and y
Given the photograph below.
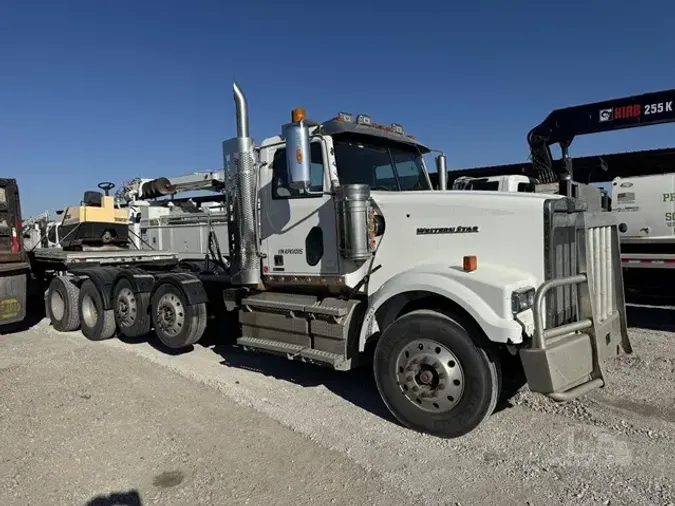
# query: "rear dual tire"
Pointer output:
{"type": "Point", "coordinates": [96, 322]}
{"type": "Point", "coordinates": [434, 377]}
{"type": "Point", "coordinates": [178, 324]}
{"type": "Point", "coordinates": [62, 303]}
{"type": "Point", "coordinates": [131, 310]}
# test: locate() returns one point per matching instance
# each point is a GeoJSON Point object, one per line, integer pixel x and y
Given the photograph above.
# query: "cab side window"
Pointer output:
{"type": "Point", "coordinates": [280, 189]}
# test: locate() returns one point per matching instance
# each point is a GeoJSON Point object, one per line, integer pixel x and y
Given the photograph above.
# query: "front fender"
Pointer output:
{"type": "Point", "coordinates": [485, 294]}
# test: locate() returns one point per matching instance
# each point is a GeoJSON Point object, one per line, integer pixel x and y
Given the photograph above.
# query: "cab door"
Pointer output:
{"type": "Point", "coordinates": [298, 226]}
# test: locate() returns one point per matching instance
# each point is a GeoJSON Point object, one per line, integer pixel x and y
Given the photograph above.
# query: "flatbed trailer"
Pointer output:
{"type": "Point", "coordinates": [58, 259]}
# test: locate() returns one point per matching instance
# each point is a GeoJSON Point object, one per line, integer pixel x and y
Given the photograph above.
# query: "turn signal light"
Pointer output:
{"type": "Point", "coordinates": [470, 263]}
{"type": "Point", "coordinates": [298, 114]}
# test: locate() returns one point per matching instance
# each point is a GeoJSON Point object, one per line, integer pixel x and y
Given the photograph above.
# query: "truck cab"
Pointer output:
{"type": "Point", "coordinates": [341, 249]}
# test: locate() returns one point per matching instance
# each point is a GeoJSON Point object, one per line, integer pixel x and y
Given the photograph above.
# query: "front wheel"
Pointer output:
{"type": "Point", "coordinates": [433, 377]}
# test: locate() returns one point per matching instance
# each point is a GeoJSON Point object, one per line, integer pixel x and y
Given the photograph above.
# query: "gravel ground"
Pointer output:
{"type": "Point", "coordinates": [228, 415]}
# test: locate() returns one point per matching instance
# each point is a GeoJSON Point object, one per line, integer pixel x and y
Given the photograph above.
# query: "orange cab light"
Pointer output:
{"type": "Point", "coordinates": [470, 263]}
{"type": "Point", "coordinates": [298, 114]}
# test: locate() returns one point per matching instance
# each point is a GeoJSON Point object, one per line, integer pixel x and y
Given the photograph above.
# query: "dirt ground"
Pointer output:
{"type": "Point", "coordinates": [127, 423]}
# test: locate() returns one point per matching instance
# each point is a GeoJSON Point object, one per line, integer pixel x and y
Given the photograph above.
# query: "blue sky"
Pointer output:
{"type": "Point", "coordinates": [110, 90]}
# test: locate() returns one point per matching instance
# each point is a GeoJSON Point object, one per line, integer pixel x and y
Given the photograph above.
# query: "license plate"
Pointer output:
{"type": "Point", "coordinates": [9, 308]}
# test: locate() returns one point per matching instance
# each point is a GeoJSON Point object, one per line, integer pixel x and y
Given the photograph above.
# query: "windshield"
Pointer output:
{"type": "Point", "coordinates": [383, 167]}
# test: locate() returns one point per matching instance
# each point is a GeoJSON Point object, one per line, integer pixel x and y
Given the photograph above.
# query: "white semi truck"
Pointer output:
{"type": "Point", "coordinates": [340, 255]}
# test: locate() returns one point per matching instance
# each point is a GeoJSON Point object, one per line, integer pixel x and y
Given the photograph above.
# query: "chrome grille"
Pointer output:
{"type": "Point", "coordinates": [576, 242]}
{"type": "Point", "coordinates": [600, 270]}
{"type": "Point", "coordinates": [561, 261]}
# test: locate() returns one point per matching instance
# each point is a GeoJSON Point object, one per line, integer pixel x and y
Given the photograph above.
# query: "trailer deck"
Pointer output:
{"type": "Point", "coordinates": [58, 257]}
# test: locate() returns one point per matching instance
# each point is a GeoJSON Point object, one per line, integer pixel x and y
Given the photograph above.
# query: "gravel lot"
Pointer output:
{"type": "Point", "coordinates": [220, 426]}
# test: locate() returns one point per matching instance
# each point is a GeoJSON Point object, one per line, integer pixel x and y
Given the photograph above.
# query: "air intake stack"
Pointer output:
{"type": "Point", "coordinates": [240, 171]}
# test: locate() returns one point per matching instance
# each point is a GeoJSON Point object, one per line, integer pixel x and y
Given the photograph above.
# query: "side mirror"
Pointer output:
{"type": "Point", "coordinates": [298, 156]}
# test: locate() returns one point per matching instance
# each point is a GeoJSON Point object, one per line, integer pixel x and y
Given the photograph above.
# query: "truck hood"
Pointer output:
{"type": "Point", "coordinates": [427, 227]}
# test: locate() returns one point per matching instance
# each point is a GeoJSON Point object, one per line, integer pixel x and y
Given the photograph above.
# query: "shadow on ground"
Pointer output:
{"type": "Point", "coordinates": [131, 498]}
{"type": "Point", "coordinates": [651, 317]}
{"type": "Point", "coordinates": [356, 386]}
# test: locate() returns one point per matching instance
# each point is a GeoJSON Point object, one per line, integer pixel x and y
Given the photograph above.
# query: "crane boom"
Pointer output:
{"type": "Point", "coordinates": [139, 189]}
{"type": "Point", "coordinates": [562, 125]}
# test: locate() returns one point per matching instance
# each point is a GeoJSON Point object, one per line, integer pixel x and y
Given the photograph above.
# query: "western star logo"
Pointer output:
{"type": "Point", "coordinates": [447, 230]}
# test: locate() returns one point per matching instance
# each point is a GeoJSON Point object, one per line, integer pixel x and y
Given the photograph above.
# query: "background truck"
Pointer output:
{"type": "Point", "coordinates": [14, 267]}
{"type": "Point", "coordinates": [338, 254]}
{"type": "Point", "coordinates": [645, 209]}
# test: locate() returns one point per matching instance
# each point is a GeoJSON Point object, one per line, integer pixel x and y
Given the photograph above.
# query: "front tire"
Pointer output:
{"type": "Point", "coordinates": [97, 323]}
{"type": "Point", "coordinates": [177, 323]}
{"type": "Point", "coordinates": [433, 377]}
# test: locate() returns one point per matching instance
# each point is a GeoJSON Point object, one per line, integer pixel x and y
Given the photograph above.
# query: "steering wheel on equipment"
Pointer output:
{"type": "Point", "coordinates": [106, 186]}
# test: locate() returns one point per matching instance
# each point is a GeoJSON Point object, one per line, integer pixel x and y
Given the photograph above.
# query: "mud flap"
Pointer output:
{"type": "Point", "coordinates": [13, 295]}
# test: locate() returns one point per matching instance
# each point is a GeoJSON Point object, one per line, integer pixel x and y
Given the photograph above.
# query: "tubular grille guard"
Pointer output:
{"type": "Point", "coordinates": [566, 356]}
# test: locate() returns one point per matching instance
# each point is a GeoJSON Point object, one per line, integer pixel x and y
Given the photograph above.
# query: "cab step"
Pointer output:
{"type": "Point", "coordinates": [319, 330]}
{"type": "Point", "coordinates": [288, 350]}
{"type": "Point", "coordinates": [295, 352]}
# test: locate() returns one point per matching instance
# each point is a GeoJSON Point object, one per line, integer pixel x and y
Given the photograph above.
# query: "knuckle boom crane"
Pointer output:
{"type": "Point", "coordinates": [563, 125]}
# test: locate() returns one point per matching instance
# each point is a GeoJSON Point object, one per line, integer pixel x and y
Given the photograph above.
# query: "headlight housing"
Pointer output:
{"type": "Point", "coordinates": [522, 299]}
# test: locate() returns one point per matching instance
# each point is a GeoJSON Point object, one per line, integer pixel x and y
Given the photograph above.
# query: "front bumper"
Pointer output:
{"type": "Point", "coordinates": [566, 361]}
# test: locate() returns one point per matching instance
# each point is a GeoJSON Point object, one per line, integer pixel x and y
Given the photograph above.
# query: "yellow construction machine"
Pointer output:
{"type": "Point", "coordinates": [97, 223]}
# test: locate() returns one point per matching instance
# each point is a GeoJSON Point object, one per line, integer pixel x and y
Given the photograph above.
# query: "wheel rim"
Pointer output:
{"type": "Point", "coordinates": [170, 314]}
{"type": "Point", "coordinates": [126, 307]}
{"type": "Point", "coordinates": [89, 311]}
{"type": "Point", "coordinates": [58, 305]}
{"type": "Point", "coordinates": [430, 376]}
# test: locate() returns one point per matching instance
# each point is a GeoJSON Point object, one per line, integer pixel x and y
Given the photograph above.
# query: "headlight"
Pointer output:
{"type": "Point", "coordinates": [522, 299]}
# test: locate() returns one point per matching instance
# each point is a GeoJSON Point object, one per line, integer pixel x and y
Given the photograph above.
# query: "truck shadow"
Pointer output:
{"type": "Point", "coordinates": [356, 387]}
{"type": "Point", "coordinates": [651, 317]}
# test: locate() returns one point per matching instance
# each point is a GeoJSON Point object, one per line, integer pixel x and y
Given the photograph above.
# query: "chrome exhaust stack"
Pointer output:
{"type": "Point", "coordinates": [241, 175]}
